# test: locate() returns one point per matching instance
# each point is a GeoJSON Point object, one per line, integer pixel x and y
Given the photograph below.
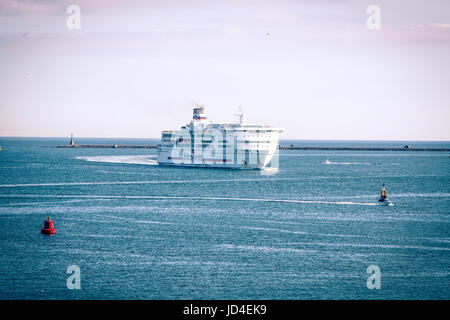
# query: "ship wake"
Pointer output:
{"type": "Point", "coordinates": [188, 198]}
{"type": "Point", "coordinates": [139, 159]}
{"type": "Point", "coordinates": [346, 163]}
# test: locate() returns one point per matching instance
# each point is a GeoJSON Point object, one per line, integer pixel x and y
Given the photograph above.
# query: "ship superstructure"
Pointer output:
{"type": "Point", "coordinates": [201, 143]}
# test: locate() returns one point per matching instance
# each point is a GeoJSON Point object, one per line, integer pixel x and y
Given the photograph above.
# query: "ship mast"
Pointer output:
{"type": "Point", "coordinates": [242, 116]}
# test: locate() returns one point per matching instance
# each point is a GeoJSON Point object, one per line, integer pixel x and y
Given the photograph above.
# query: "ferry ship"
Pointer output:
{"type": "Point", "coordinates": [201, 143]}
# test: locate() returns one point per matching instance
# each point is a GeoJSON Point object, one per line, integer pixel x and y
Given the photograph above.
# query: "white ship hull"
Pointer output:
{"type": "Point", "coordinates": [231, 146]}
{"type": "Point", "coordinates": [262, 160]}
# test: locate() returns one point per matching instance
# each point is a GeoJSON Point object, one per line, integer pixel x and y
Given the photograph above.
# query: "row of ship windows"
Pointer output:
{"type": "Point", "coordinates": [213, 153]}
{"type": "Point", "coordinates": [171, 136]}
{"type": "Point", "coordinates": [227, 131]}
{"type": "Point", "coordinates": [227, 149]}
{"type": "Point", "coordinates": [210, 141]}
{"type": "Point", "coordinates": [204, 145]}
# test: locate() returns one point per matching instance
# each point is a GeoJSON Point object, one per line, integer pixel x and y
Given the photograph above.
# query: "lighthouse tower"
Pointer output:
{"type": "Point", "coordinates": [72, 142]}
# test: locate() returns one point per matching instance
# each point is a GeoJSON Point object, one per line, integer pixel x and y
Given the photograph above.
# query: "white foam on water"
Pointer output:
{"type": "Point", "coordinates": [272, 230]}
{"type": "Point", "coordinates": [265, 248]}
{"type": "Point", "coordinates": [346, 163]}
{"type": "Point", "coordinates": [269, 171]}
{"type": "Point", "coordinates": [303, 232]}
{"type": "Point", "coordinates": [41, 203]}
{"type": "Point", "coordinates": [391, 195]}
{"type": "Point", "coordinates": [198, 263]}
{"type": "Point", "coordinates": [126, 182]}
{"type": "Point", "coordinates": [362, 154]}
{"type": "Point", "coordinates": [87, 183]}
{"type": "Point", "coordinates": [419, 274]}
{"type": "Point", "coordinates": [421, 195]}
{"type": "Point", "coordinates": [132, 220]}
{"type": "Point", "coordinates": [373, 245]}
{"type": "Point", "coordinates": [187, 198]}
{"type": "Point", "coordinates": [106, 236]}
{"type": "Point", "coordinates": [141, 159]}
{"type": "Point", "coordinates": [271, 222]}
{"type": "Point", "coordinates": [102, 253]}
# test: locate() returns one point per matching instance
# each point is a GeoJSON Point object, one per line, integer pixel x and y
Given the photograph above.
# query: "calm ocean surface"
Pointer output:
{"type": "Point", "coordinates": [141, 231]}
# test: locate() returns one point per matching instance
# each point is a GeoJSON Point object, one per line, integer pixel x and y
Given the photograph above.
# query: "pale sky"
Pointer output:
{"type": "Point", "coordinates": [312, 68]}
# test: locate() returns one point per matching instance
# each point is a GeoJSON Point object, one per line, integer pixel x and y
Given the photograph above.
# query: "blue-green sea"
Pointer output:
{"type": "Point", "coordinates": [138, 230]}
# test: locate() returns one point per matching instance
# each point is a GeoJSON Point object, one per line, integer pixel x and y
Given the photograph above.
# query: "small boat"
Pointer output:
{"type": "Point", "coordinates": [326, 162]}
{"type": "Point", "coordinates": [384, 201]}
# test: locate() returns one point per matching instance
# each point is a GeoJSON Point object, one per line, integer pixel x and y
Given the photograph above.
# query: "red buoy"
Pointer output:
{"type": "Point", "coordinates": [48, 227]}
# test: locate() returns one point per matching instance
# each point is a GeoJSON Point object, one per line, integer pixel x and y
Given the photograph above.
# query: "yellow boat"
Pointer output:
{"type": "Point", "coordinates": [384, 201]}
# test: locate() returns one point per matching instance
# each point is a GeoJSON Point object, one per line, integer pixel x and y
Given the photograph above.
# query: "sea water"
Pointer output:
{"type": "Point", "coordinates": [137, 230]}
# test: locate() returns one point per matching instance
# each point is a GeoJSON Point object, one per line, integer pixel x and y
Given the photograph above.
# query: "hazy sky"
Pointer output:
{"type": "Point", "coordinates": [311, 67]}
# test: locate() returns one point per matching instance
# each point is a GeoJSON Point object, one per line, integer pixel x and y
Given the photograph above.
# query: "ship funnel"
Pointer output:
{"type": "Point", "coordinates": [199, 113]}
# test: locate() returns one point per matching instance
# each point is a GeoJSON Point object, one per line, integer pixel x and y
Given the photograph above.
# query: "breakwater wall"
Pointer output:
{"type": "Point", "coordinates": [115, 146]}
{"type": "Point", "coordinates": [363, 148]}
